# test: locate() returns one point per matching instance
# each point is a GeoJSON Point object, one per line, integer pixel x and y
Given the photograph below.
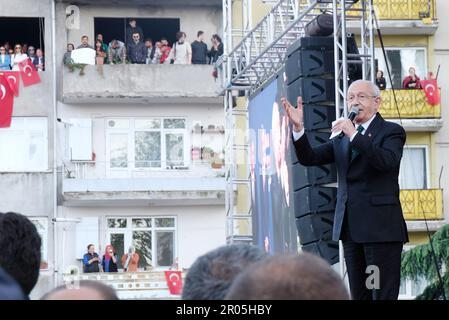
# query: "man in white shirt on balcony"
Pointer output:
{"type": "Point", "coordinates": [181, 52]}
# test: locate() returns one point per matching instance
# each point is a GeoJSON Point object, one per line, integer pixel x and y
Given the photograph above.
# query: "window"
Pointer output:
{"type": "Point", "coordinates": [147, 143]}
{"type": "Point", "coordinates": [29, 31]}
{"type": "Point", "coordinates": [399, 61]}
{"type": "Point", "coordinates": [155, 28]}
{"type": "Point", "coordinates": [24, 145]}
{"type": "Point", "coordinates": [414, 169]}
{"type": "Point", "coordinates": [42, 228]}
{"type": "Point", "coordinates": [153, 238]}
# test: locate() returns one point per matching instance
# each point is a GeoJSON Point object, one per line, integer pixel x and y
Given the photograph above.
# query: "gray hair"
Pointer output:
{"type": "Point", "coordinates": [374, 89]}
{"type": "Point", "coordinates": [211, 275]}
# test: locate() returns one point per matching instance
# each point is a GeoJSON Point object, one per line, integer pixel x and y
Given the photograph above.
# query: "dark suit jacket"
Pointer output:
{"type": "Point", "coordinates": [368, 189]}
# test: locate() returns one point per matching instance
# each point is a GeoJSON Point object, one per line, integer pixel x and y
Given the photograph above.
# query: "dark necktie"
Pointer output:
{"type": "Point", "coordinates": [354, 152]}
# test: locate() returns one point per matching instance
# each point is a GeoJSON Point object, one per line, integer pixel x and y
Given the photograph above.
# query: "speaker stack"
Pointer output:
{"type": "Point", "coordinates": [310, 74]}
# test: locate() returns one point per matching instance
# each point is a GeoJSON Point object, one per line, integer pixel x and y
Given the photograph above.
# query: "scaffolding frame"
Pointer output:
{"type": "Point", "coordinates": [261, 53]}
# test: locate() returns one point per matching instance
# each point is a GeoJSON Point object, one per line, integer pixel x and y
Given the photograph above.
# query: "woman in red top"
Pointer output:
{"type": "Point", "coordinates": [412, 81]}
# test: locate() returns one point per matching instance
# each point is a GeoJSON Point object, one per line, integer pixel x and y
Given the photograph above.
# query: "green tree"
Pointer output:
{"type": "Point", "coordinates": [420, 262]}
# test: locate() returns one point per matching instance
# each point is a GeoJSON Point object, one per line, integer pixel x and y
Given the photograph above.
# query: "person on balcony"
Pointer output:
{"type": "Point", "coordinates": [116, 52]}
{"type": "Point", "coordinates": [17, 57]}
{"type": "Point", "coordinates": [109, 262]}
{"type": "Point", "coordinates": [153, 52]}
{"type": "Point", "coordinates": [131, 29]}
{"type": "Point", "coordinates": [5, 59]}
{"type": "Point", "coordinates": [68, 55]}
{"type": "Point", "coordinates": [84, 43]}
{"type": "Point", "coordinates": [137, 52]}
{"type": "Point", "coordinates": [412, 81]}
{"type": "Point", "coordinates": [91, 260]}
{"type": "Point", "coordinates": [130, 260]}
{"type": "Point", "coordinates": [181, 52]}
{"type": "Point", "coordinates": [380, 80]}
{"type": "Point", "coordinates": [104, 46]}
{"type": "Point", "coordinates": [165, 50]}
{"type": "Point", "coordinates": [100, 53]}
{"type": "Point", "coordinates": [199, 49]}
{"type": "Point", "coordinates": [32, 55]}
{"type": "Point", "coordinates": [40, 66]}
{"type": "Point", "coordinates": [217, 49]}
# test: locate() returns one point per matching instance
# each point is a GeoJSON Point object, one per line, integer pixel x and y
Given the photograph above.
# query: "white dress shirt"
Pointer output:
{"type": "Point", "coordinates": [365, 125]}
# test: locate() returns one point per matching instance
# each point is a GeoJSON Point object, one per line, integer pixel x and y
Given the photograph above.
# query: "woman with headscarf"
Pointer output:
{"type": "Point", "coordinates": [109, 261]}
{"type": "Point", "coordinates": [130, 260]}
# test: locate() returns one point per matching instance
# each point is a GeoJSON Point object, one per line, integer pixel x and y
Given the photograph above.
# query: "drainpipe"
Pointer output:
{"type": "Point", "coordinates": [55, 167]}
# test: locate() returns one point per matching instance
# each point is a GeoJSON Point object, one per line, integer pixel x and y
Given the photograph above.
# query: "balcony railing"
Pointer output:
{"type": "Point", "coordinates": [422, 204]}
{"type": "Point", "coordinates": [129, 285]}
{"type": "Point", "coordinates": [403, 9]}
{"type": "Point", "coordinates": [93, 170]}
{"type": "Point", "coordinates": [412, 104]}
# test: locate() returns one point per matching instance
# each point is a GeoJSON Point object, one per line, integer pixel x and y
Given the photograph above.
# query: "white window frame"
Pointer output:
{"type": "Point", "coordinates": [44, 240]}
{"type": "Point", "coordinates": [408, 283]}
{"type": "Point", "coordinates": [131, 130]}
{"type": "Point", "coordinates": [426, 63]}
{"type": "Point", "coordinates": [426, 159]}
{"type": "Point", "coordinates": [128, 232]}
{"type": "Point", "coordinates": [45, 167]}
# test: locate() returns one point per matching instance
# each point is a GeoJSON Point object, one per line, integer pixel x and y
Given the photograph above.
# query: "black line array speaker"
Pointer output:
{"type": "Point", "coordinates": [310, 74]}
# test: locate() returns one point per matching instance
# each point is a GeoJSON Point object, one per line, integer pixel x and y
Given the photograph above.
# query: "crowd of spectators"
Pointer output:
{"type": "Point", "coordinates": [136, 49]}
{"type": "Point", "coordinates": [11, 57]}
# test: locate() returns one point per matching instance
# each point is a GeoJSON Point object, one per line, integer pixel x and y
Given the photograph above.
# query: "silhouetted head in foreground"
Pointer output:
{"type": "Point", "coordinates": [83, 290]}
{"type": "Point", "coordinates": [289, 277]}
{"type": "Point", "coordinates": [211, 275]}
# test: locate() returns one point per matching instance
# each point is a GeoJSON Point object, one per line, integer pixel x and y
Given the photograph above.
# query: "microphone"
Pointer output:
{"type": "Point", "coordinates": [351, 116]}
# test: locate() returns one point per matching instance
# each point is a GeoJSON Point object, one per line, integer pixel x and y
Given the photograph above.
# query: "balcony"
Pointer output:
{"type": "Point", "coordinates": [403, 16]}
{"type": "Point", "coordinates": [423, 209]}
{"type": "Point", "coordinates": [129, 285]}
{"type": "Point", "coordinates": [177, 3]}
{"type": "Point", "coordinates": [415, 112]}
{"type": "Point", "coordinates": [130, 83]}
{"type": "Point", "coordinates": [95, 184]}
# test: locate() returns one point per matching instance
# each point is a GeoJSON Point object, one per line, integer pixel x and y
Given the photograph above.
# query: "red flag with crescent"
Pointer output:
{"type": "Point", "coordinates": [29, 73]}
{"type": "Point", "coordinates": [6, 103]}
{"type": "Point", "coordinates": [431, 90]}
{"type": "Point", "coordinates": [174, 281]}
{"type": "Point", "coordinates": [13, 79]}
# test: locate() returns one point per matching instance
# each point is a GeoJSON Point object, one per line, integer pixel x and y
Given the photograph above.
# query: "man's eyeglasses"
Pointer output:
{"type": "Point", "coordinates": [360, 97]}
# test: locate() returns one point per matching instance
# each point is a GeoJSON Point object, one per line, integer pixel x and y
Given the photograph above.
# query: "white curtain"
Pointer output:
{"type": "Point", "coordinates": [412, 174]}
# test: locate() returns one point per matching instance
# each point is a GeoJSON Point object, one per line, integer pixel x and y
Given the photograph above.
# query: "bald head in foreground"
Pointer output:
{"type": "Point", "coordinates": [289, 277]}
{"type": "Point", "coordinates": [86, 290]}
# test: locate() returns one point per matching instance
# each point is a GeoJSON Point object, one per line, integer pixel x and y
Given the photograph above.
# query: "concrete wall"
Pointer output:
{"type": "Point", "coordinates": [130, 82]}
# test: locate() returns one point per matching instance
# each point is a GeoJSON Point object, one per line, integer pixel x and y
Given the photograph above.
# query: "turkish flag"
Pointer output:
{"type": "Point", "coordinates": [13, 79]}
{"type": "Point", "coordinates": [431, 90]}
{"type": "Point", "coordinates": [6, 103]}
{"type": "Point", "coordinates": [174, 281]}
{"type": "Point", "coordinates": [29, 73]}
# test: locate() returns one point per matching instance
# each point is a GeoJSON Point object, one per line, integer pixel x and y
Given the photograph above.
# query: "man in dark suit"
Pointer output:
{"type": "Point", "coordinates": [368, 215]}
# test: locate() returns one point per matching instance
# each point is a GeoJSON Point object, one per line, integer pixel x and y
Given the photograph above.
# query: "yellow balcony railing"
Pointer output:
{"type": "Point", "coordinates": [402, 9]}
{"type": "Point", "coordinates": [422, 204]}
{"type": "Point", "coordinates": [412, 104]}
